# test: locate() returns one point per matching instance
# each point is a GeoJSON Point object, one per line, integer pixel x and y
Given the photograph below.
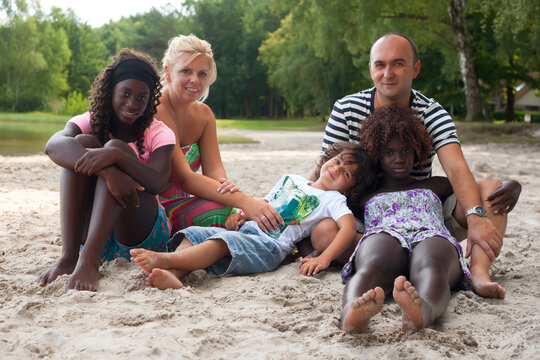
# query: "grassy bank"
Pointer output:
{"type": "Point", "coordinates": [39, 126]}
{"type": "Point", "coordinates": [479, 132]}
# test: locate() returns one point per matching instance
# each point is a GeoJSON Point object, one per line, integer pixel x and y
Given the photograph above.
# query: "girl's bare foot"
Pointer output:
{"type": "Point", "coordinates": [483, 286]}
{"type": "Point", "coordinates": [148, 260]}
{"type": "Point", "coordinates": [412, 306]}
{"type": "Point", "coordinates": [85, 277]}
{"type": "Point", "coordinates": [356, 314]}
{"type": "Point", "coordinates": [163, 279]}
{"type": "Point", "coordinates": [62, 266]}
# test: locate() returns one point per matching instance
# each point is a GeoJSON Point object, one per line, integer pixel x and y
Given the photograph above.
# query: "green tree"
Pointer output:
{"type": "Point", "coordinates": [236, 29]}
{"type": "Point", "coordinates": [22, 61]}
{"type": "Point", "coordinates": [52, 81]}
{"type": "Point", "coordinates": [348, 28]}
{"type": "Point", "coordinates": [88, 54]}
{"type": "Point", "coordinates": [504, 33]}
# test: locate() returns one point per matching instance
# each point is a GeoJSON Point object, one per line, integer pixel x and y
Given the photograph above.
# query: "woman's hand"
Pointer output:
{"type": "Point", "coordinates": [227, 186]}
{"type": "Point", "coordinates": [95, 160]}
{"type": "Point", "coordinates": [121, 186]}
{"type": "Point", "coordinates": [264, 214]}
{"type": "Point", "coordinates": [504, 197]}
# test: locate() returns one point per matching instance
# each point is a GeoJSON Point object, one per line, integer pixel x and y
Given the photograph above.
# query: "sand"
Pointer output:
{"type": "Point", "coordinates": [277, 315]}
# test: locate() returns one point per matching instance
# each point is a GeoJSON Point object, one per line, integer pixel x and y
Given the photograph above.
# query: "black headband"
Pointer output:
{"type": "Point", "coordinates": [134, 69]}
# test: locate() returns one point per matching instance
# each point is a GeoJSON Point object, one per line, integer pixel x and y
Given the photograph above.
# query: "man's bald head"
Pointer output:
{"type": "Point", "coordinates": [393, 34]}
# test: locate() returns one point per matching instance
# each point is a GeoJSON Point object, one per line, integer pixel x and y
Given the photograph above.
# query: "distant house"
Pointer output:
{"type": "Point", "coordinates": [526, 98]}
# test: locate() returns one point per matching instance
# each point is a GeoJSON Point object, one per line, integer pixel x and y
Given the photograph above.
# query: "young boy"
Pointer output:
{"type": "Point", "coordinates": [345, 169]}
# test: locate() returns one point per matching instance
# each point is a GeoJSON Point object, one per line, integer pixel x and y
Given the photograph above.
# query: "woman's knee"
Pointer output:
{"type": "Point", "coordinates": [119, 144]}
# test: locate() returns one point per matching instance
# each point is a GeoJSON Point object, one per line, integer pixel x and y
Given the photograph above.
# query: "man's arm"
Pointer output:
{"type": "Point", "coordinates": [480, 230]}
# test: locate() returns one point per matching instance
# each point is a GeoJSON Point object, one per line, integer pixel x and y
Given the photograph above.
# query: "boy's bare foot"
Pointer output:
{"type": "Point", "coordinates": [356, 314]}
{"type": "Point", "coordinates": [148, 260]}
{"type": "Point", "coordinates": [85, 277]}
{"type": "Point", "coordinates": [412, 306]}
{"type": "Point", "coordinates": [483, 286]}
{"type": "Point", "coordinates": [62, 266]}
{"type": "Point", "coordinates": [163, 279]}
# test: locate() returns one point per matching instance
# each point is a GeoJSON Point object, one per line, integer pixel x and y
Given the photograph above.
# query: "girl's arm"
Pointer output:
{"type": "Point", "coordinates": [63, 149]}
{"type": "Point", "coordinates": [342, 241]}
{"type": "Point", "coordinates": [152, 176]}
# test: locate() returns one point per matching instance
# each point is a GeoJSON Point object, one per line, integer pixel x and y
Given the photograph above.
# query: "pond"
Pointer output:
{"type": "Point", "coordinates": [25, 138]}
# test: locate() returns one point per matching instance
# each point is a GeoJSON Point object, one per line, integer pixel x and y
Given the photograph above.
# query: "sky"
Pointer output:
{"type": "Point", "coordinates": [98, 12]}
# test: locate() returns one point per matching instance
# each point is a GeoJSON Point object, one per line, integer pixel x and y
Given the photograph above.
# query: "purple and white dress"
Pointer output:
{"type": "Point", "coordinates": [410, 216]}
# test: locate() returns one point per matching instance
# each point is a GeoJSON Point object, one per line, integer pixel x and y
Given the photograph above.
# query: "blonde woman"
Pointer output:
{"type": "Point", "coordinates": [188, 71]}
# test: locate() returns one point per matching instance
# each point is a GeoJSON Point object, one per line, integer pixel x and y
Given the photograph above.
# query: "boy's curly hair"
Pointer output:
{"type": "Point", "coordinates": [101, 110]}
{"type": "Point", "coordinates": [389, 121]}
{"type": "Point", "coordinates": [365, 175]}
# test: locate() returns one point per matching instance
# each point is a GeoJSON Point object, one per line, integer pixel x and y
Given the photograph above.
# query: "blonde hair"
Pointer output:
{"type": "Point", "coordinates": [193, 46]}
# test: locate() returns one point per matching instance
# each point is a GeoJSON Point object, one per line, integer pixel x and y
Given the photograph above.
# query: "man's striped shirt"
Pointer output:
{"type": "Point", "coordinates": [348, 113]}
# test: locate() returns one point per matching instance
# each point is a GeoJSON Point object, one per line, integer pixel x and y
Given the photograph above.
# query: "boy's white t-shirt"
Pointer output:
{"type": "Point", "coordinates": [332, 204]}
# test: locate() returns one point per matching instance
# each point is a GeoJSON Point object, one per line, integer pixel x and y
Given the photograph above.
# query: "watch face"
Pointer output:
{"type": "Point", "coordinates": [477, 210]}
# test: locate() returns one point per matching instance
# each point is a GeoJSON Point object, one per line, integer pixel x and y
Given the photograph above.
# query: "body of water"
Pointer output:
{"type": "Point", "coordinates": [21, 138]}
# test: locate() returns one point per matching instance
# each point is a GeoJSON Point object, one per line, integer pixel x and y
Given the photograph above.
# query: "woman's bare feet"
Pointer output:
{"type": "Point", "coordinates": [414, 309]}
{"type": "Point", "coordinates": [483, 285]}
{"type": "Point", "coordinates": [163, 279]}
{"type": "Point", "coordinates": [64, 265]}
{"type": "Point", "coordinates": [356, 314]}
{"type": "Point", "coordinates": [148, 260]}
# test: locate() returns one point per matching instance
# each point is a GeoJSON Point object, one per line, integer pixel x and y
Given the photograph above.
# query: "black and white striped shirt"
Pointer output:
{"type": "Point", "coordinates": [348, 113]}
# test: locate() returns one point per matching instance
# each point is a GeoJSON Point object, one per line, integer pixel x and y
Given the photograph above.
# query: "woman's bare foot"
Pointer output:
{"type": "Point", "coordinates": [62, 266]}
{"type": "Point", "coordinates": [483, 286]}
{"type": "Point", "coordinates": [413, 307]}
{"type": "Point", "coordinates": [356, 314]}
{"type": "Point", "coordinates": [148, 260]}
{"type": "Point", "coordinates": [85, 277]}
{"type": "Point", "coordinates": [163, 279]}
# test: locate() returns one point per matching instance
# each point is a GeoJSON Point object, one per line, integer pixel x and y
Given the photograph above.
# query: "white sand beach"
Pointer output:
{"type": "Point", "coordinates": [277, 315]}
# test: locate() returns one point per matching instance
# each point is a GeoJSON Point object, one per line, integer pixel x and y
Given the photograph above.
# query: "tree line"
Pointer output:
{"type": "Point", "coordinates": [279, 58]}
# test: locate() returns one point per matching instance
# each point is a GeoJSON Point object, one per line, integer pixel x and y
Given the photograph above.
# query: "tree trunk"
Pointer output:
{"type": "Point", "coordinates": [271, 104]}
{"type": "Point", "coordinates": [247, 106]}
{"type": "Point", "coordinates": [16, 95]}
{"type": "Point", "coordinates": [473, 97]}
{"type": "Point", "coordinates": [510, 97]}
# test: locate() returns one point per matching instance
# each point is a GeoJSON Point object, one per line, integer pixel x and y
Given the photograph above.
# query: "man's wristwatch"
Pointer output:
{"type": "Point", "coordinates": [477, 210]}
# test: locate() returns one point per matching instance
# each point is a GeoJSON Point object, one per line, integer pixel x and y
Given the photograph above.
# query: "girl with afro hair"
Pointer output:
{"type": "Point", "coordinates": [115, 158]}
{"type": "Point", "coordinates": [405, 236]}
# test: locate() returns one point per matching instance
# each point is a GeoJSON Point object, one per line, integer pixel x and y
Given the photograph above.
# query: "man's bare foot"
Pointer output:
{"type": "Point", "coordinates": [483, 286]}
{"type": "Point", "coordinates": [163, 279]}
{"type": "Point", "coordinates": [85, 277]}
{"type": "Point", "coordinates": [356, 314]}
{"type": "Point", "coordinates": [62, 266]}
{"type": "Point", "coordinates": [412, 306]}
{"type": "Point", "coordinates": [148, 260]}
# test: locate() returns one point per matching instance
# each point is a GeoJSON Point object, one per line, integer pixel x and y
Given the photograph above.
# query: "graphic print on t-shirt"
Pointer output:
{"type": "Point", "coordinates": [293, 204]}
